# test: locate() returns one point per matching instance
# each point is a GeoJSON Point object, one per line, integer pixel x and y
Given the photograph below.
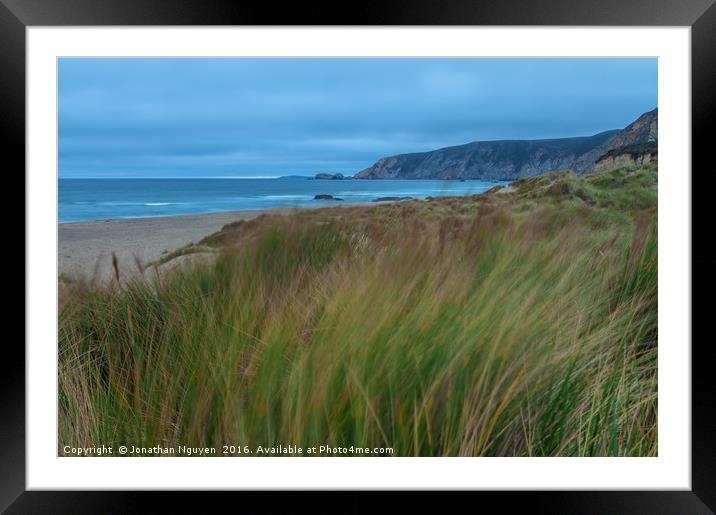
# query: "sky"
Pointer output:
{"type": "Point", "coordinates": [268, 117]}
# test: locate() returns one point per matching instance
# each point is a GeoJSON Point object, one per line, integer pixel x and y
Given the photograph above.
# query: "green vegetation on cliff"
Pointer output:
{"type": "Point", "coordinates": [519, 322]}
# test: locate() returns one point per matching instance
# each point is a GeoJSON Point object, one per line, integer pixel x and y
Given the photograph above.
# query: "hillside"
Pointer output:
{"type": "Point", "coordinates": [512, 159]}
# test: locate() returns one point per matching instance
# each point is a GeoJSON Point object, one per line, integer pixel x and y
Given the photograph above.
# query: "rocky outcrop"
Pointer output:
{"type": "Point", "coordinates": [631, 155]}
{"type": "Point", "coordinates": [644, 130]}
{"type": "Point", "coordinates": [330, 176]}
{"type": "Point", "coordinates": [323, 196]}
{"type": "Point", "coordinates": [509, 160]}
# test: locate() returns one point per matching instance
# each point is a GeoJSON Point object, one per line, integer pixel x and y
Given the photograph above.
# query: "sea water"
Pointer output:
{"type": "Point", "coordinates": [103, 199]}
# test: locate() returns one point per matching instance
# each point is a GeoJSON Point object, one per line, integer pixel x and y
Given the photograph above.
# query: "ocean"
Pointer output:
{"type": "Point", "coordinates": [103, 199]}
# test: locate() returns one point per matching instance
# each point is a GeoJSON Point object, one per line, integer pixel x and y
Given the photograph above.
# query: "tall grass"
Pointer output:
{"type": "Point", "coordinates": [518, 323]}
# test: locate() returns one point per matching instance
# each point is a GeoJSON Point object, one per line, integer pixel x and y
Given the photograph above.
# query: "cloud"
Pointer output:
{"type": "Point", "coordinates": [194, 117]}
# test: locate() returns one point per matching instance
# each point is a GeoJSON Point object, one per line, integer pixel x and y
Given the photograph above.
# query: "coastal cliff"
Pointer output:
{"type": "Point", "coordinates": [512, 159]}
{"type": "Point", "coordinates": [631, 155]}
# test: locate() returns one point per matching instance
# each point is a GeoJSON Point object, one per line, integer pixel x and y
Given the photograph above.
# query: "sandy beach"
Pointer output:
{"type": "Point", "coordinates": [85, 248]}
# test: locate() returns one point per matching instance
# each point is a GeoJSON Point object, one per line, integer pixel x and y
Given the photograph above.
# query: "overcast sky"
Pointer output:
{"type": "Point", "coordinates": [271, 117]}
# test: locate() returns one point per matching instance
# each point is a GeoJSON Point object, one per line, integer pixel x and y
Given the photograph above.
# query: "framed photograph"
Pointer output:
{"type": "Point", "coordinates": [430, 250]}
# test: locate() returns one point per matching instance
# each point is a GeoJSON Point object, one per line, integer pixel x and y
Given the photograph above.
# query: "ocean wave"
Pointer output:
{"type": "Point", "coordinates": [129, 204]}
{"type": "Point", "coordinates": [271, 197]}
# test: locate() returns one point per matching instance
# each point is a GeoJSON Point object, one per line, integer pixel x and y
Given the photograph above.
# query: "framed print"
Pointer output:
{"type": "Point", "coordinates": [425, 250]}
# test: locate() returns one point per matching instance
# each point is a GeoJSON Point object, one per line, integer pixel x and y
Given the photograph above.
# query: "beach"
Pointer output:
{"type": "Point", "coordinates": [85, 248]}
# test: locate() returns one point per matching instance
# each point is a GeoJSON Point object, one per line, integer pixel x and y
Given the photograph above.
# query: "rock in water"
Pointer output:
{"type": "Point", "coordinates": [330, 176]}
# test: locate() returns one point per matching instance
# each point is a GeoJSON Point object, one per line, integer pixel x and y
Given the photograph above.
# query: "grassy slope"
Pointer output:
{"type": "Point", "coordinates": [522, 322]}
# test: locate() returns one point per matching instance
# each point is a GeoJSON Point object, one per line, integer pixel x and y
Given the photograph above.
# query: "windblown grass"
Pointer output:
{"type": "Point", "coordinates": [522, 322]}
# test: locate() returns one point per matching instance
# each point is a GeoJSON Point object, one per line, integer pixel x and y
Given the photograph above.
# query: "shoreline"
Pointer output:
{"type": "Point", "coordinates": [84, 249]}
{"type": "Point", "coordinates": [218, 214]}
{"type": "Point", "coordinates": [160, 217]}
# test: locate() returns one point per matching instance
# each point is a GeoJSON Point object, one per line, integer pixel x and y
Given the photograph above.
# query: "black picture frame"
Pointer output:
{"type": "Point", "coordinates": [700, 15]}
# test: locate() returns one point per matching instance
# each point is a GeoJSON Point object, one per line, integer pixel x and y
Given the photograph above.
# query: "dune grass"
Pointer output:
{"type": "Point", "coordinates": [521, 322]}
